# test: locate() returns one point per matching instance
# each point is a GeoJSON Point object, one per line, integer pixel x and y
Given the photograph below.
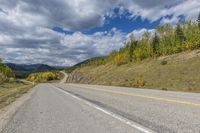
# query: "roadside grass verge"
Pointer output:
{"type": "Point", "coordinates": [178, 72]}
{"type": "Point", "coordinates": [10, 91]}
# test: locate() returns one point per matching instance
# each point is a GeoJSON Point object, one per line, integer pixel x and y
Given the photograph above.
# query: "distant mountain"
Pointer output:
{"type": "Point", "coordinates": [32, 67]}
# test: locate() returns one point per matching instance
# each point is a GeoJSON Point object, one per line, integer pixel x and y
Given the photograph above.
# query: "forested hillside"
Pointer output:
{"type": "Point", "coordinates": [166, 40]}
{"type": "Point", "coordinates": [167, 58]}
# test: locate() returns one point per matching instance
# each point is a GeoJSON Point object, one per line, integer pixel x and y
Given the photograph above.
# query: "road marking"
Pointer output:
{"type": "Point", "coordinates": [116, 116]}
{"type": "Point", "coordinates": [143, 96]}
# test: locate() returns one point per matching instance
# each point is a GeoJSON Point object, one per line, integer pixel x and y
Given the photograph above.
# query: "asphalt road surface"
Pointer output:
{"type": "Point", "coordinates": [73, 108]}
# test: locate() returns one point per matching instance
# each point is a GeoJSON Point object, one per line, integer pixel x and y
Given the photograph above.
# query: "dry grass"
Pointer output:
{"type": "Point", "coordinates": [9, 91]}
{"type": "Point", "coordinates": [180, 73]}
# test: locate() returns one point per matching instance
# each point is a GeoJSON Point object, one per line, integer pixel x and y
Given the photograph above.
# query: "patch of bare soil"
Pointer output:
{"type": "Point", "coordinates": [181, 56]}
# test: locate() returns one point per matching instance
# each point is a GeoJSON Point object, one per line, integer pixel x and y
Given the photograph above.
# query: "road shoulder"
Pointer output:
{"type": "Point", "coordinates": [7, 112]}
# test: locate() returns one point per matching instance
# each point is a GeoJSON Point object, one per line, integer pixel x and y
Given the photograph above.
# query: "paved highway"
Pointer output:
{"type": "Point", "coordinates": [76, 108]}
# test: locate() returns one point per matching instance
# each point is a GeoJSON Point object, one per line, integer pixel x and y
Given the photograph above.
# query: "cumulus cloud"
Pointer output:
{"type": "Point", "coordinates": [47, 46]}
{"type": "Point", "coordinates": [26, 35]}
{"type": "Point", "coordinates": [83, 14]}
{"type": "Point", "coordinates": [139, 33]}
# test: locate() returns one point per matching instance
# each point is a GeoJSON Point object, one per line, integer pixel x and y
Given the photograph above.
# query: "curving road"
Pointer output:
{"type": "Point", "coordinates": [76, 108]}
{"type": "Point", "coordinates": [65, 77]}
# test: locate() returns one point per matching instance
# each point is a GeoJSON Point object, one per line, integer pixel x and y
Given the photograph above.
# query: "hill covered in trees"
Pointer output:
{"type": "Point", "coordinates": [162, 51]}
{"type": "Point", "coordinates": [166, 40]}
{"type": "Point", "coordinates": [23, 70]}
{"type": "Point", "coordinates": [33, 67]}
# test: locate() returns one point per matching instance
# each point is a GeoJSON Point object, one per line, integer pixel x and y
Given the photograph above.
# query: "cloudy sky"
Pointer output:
{"type": "Point", "coordinates": [65, 32]}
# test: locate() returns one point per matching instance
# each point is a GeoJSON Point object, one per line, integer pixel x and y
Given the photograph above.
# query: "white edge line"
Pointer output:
{"type": "Point", "coordinates": [118, 117]}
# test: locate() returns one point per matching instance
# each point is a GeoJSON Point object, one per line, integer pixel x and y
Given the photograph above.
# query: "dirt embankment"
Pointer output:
{"type": "Point", "coordinates": [174, 72]}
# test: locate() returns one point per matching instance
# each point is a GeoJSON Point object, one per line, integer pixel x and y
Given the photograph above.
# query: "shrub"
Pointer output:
{"type": "Point", "coordinates": [44, 76]}
{"type": "Point", "coordinates": [164, 62]}
{"type": "Point", "coordinates": [138, 82]}
{"type": "Point", "coordinates": [5, 73]}
{"type": "Point", "coordinates": [164, 89]}
{"type": "Point", "coordinates": [120, 59]}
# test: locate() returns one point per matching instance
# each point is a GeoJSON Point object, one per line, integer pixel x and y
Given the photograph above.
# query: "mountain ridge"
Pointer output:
{"type": "Point", "coordinates": [33, 67]}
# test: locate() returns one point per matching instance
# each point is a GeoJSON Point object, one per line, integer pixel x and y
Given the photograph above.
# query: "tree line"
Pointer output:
{"type": "Point", "coordinates": [44, 76]}
{"type": "Point", "coordinates": [165, 40]}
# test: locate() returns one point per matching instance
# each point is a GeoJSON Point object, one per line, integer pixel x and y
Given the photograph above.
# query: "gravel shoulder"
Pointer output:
{"type": "Point", "coordinates": [7, 112]}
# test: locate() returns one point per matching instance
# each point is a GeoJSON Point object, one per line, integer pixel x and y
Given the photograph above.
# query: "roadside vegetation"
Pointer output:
{"type": "Point", "coordinates": [177, 72]}
{"type": "Point", "coordinates": [6, 74]}
{"type": "Point", "coordinates": [40, 77]}
{"type": "Point", "coordinates": [166, 59]}
{"type": "Point", "coordinates": [10, 88]}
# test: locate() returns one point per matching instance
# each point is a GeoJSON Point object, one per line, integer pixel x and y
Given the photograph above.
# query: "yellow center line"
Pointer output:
{"type": "Point", "coordinates": [143, 96]}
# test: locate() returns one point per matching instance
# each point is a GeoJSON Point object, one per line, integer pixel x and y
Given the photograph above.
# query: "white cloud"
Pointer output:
{"type": "Point", "coordinates": [5, 38]}
{"type": "Point", "coordinates": [53, 48]}
{"type": "Point", "coordinates": [138, 33]}
{"type": "Point", "coordinates": [83, 14]}
{"type": "Point", "coordinates": [174, 20]}
{"type": "Point", "coordinates": [26, 35]}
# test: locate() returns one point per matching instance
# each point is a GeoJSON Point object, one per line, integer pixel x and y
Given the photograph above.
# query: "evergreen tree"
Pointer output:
{"type": "Point", "coordinates": [179, 34]}
{"type": "Point", "coordinates": [130, 53]}
{"type": "Point", "coordinates": [198, 20]}
{"type": "Point", "coordinates": [155, 43]}
{"type": "Point", "coordinates": [131, 38]}
{"type": "Point", "coordinates": [131, 47]}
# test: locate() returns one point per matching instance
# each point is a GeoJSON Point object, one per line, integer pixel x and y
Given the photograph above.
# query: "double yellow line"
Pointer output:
{"type": "Point", "coordinates": [143, 96]}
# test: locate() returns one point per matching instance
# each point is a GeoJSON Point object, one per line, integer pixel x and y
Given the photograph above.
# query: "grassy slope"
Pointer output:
{"type": "Point", "coordinates": [182, 73]}
{"type": "Point", "coordinates": [9, 91]}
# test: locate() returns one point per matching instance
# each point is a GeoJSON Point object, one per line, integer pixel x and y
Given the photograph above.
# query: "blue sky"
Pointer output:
{"type": "Point", "coordinates": [120, 22]}
{"type": "Point", "coordinates": [124, 24]}
{"type": "Point", "coordinates": [66, 32]}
